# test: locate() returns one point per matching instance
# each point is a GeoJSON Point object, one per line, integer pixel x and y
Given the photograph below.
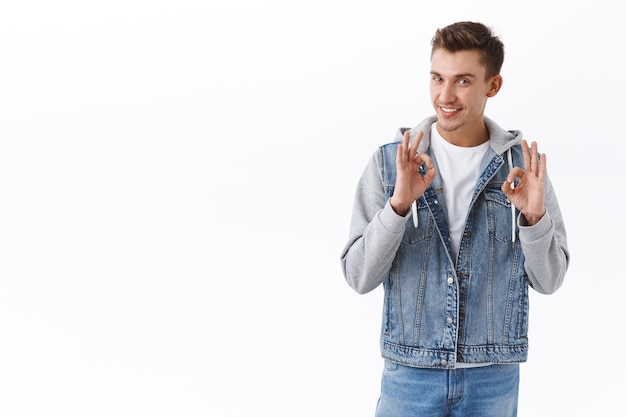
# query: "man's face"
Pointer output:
{"type": "Point", "coordinates": [459, 91]}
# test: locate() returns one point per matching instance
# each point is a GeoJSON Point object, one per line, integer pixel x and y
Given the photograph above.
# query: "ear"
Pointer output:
{"type": "Point", "coordinates": [494, 85]}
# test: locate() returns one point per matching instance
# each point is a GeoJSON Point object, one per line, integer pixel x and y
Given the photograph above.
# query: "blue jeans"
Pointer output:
{"type": "Point", "coordinates": [486, 391]}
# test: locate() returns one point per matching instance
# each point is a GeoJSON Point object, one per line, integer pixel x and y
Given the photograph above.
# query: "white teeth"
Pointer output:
{"type": "Point", "coordinates": [447, 110]}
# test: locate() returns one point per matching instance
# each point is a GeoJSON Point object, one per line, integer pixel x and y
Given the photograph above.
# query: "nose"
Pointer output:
{"type": "Point", "coordinates": [447, 93]}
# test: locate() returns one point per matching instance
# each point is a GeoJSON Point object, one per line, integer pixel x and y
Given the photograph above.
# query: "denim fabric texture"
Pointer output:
{"type": "Point", "coordinates": [474, 309]}
{"type": "Point", "coordinates": [486, 391]}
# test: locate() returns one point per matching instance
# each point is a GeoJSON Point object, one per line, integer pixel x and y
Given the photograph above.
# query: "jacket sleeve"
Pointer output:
{"type": "Point", "coordinates": [375, 233]}
{"type": "Point", "coordinates": [545, 246]}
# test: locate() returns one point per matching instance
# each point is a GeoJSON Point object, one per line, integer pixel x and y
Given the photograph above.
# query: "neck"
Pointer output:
{"type": "Point", "coordinates": [466, 136]}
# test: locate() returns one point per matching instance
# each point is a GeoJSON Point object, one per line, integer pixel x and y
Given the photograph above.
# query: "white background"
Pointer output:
{"type": "Point", "coordinates": [177, 181]}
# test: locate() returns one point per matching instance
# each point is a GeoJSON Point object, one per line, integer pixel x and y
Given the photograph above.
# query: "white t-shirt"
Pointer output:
{"type": "Point", "coordinates": [459, 169]}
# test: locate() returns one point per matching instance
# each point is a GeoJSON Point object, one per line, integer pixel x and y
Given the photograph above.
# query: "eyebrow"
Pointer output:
{"type": "Point", "coordinates": [462, 75]}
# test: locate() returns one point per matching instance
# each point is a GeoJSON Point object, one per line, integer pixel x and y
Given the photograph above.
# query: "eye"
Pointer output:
{"type": "Point", "coordinates": [436, 78]}
{"type": "Point", "coordinates": [464, 81]}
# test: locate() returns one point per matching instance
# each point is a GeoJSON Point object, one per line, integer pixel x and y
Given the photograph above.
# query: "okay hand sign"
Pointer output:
{"type": "Point", "coordinates": [410, 184]}
{"type": "Point", "coordinates": [528, 194]}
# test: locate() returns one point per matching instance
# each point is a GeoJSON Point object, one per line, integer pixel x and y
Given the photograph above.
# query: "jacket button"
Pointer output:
{"type": "Point", "coordinates": [444, 362]}
{"type": "Point", "coordinates": [450, 280]}
{"type": "Point", "coordinates": [449, 320]}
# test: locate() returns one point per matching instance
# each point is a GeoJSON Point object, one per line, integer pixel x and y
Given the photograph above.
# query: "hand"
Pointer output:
{"type": "Point", "coordinates": [528, 194]}
{"type": "Point", "coordinates": [410, 184]}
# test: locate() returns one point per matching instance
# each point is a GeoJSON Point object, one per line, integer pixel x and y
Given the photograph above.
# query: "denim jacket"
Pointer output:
{"type": "Point", "coordinates": [439, 311]}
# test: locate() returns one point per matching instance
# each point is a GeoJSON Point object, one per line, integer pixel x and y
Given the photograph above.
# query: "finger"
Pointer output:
{"type": "Point", "coordinates": [424, 158]}
{"type": "Point", "coordinates": [415, 144]}
{"type": "Point", "coordinates": [402, 155]}
{"type": "Point", "coordinates": [507, 186]}
{"type": "Point", "coordinates": [534, 158]}
{"type": "Point", "coordinates": [526, 154]}
{"type": "Point", "coordinates": [516, 172]}
{"type": "Point", "coordinates": [543, 167]}
{"type": "Point", "coordinates": [430, 175]}
{"type": "Point", "coordinates": [400, 151]}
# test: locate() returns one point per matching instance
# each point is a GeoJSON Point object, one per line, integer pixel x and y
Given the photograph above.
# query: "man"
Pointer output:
{"type": "Point", "coordinates": [456, 218]}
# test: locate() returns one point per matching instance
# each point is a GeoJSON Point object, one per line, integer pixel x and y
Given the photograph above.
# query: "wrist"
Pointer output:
{"type": "Point", "coordinates": [533, 219]}
{"type": "Point", "coordinates": [399, 208]}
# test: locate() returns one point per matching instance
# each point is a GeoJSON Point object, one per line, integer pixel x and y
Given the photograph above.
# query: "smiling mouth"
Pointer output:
{"type": "Point", "coordinates": [448, 110]}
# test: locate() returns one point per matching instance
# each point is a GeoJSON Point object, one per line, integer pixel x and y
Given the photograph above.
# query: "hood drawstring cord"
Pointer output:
{"type": "Point", "coordinates": [510, 161]}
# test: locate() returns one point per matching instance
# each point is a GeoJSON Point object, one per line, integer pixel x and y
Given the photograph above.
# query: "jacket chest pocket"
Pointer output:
{"type": "Point", "coordinates": [499, 215]}
{"type": "Point", "coordinates": [425, 227]}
